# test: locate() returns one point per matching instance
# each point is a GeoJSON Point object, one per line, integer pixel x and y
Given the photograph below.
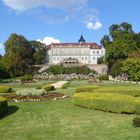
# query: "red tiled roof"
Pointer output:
{"type": "Point", "coordinates": [91, 45]}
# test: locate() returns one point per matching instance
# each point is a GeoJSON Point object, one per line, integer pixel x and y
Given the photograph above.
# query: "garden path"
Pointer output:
{"type": "Point", "coordinates": [59, 84]}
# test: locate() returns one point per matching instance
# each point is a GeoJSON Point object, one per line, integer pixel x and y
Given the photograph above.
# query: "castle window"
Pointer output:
{"type": "Point", "coordinates": [54, 58]}
{"type": "Point", "coordinates": [97, 52]}
{"type": "Point", "coordinates": [94, 58]}
{"type": "Point", "coordinates": [93, 52]}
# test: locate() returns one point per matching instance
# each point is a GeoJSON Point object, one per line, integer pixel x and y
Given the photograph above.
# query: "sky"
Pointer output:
{"type": "Point", "coordinates": [65, 20]}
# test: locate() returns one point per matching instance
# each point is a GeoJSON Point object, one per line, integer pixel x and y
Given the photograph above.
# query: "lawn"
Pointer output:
{"type": "Point", "coordinates": [60, 120]}
{"type": "Point", "coordinates": [30, 85]}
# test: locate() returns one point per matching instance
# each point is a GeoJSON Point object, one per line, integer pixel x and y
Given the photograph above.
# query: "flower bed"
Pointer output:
{"type": "Point", "coordinates": [27, 98]}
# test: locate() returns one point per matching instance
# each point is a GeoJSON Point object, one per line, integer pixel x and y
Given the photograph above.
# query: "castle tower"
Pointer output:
{"type": "Point", "coordinates": [81, 40]}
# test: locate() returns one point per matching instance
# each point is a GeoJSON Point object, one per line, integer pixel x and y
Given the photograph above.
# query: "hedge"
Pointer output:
{"type": "Point", "coordinates": [103, 77]}
{"type": "Point", "coordinates": [26, 78]}
{"type": "Point", "coordinates": [87, 88]}
{"type": "Point", "coordinates": [3, 106]}
{"type": "Point", "coordinates": [66, 85]}
{"type": "Point", "coordinates": [5, 89]}
{"type": "Point", "coordinates": [136, 122]}
{"type": "Point", "coordinates": [133, 91]}
{"type": "Point", "coordinates": [109, 102]}
{"type": "Point", "coordinates": [48, 87]}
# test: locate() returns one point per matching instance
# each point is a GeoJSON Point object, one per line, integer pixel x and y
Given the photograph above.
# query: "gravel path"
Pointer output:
{"type": "Point", "coordinates": [59, 84]}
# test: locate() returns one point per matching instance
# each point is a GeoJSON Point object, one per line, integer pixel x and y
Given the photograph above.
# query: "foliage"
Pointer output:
{"type": "Point", "coordinates": [77, 83]}
{"type": "Point", "coordinates": [128, 90]}
{"type": "Point", "coordinates": [135, 54]}
{"type": "Point", "coordinates": [103, 77]}
{"type": "Point", "coordinates": [132, 68]}
{"type": "Point", "coordinates": [87, 88]}
{"type": "Point", "coordinates": [55, 69]}
{"type": "Point", "coordinates": [100, 60]}
{"type": "Point", "coordinates": [108, 102]}
{"type": "Point", "coordinates": [58, 69]}
{"type": "Point", "coordinates": [136, 122]}
{"type": "Point", "coordinates": [5, 89]}
{"type": "Point", "coordinates": [26, 78]}
{"type": "Point", "coordinates": [3, 106]}
{"type": "Point", "coordinates": [31, 92]}
{"type": "Point", "coordinates": [39, 52]}
{"type": "Point", "coordinates": [18, 55]}
{"type": "Point", "coordinates": [3, 71]}
{"type": "Point", "coordinates": [116, 68]}
{"type": "Point", "coordinates": [38, 87]}
{"type": "Point", "coordinates": [120, 42]}
{"type": "Point", "coordinates": [48, 87]}
{"type": "Point", "coordinates": [66, 85]}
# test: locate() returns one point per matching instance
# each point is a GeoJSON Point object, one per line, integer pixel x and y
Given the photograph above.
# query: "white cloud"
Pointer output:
{"type": "Point", "coordinates": [23, 5]}
{"type": "Point", "coordinates": [76, 10]}
{"type": "Point", "coordinates": [94, 26]}
{"type": "Point", "coordinates": [48, 40]}
{"type": "Point", "coordinates": [1, 49]}
{"type": "Point", "coordinates": [1, 46]}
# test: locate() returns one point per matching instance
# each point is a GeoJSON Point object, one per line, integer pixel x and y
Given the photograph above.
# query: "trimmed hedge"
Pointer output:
{"type": "Point", "coordinates": [3, 106]}
{"type": "Point", "coordinates": [87, 88]}
{"type": "Point", "coordinates": [136, 122]}
{"type": "Point", "coordinates": [103, 77]}
{"type": "Point", "coordinates": [5, 89]}
{"type": "Point", "coordinates": [133, 91]}
{"type": "Point", "coordinates": [66, 85]}
{"type": "Point", "coordinates": [48, 87]}
{"type": "Point", "coordinates": [26, 78]}
{"type": "Point", "coordinates": [109, 102]}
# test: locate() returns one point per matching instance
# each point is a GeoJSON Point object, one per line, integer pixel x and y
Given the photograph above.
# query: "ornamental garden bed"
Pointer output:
{"type": "Point", "coordinates": [33, 98]}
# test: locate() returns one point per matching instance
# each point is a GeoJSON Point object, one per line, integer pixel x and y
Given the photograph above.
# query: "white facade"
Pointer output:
{"type": "Point", "coordinates": [95, 54]}
{"type": "Point", "coordinates": [84, 53]}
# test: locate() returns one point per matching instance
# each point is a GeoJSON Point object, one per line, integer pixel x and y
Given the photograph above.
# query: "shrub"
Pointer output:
{"type": "Point", "coordinates": [31, 92]}
{"type": "Point", "coordinates": [58, 69]}
{"type": "Point", "coordinates": [3, 106]}
{"type": "Point", "coordinates": [87, 88]}
{"type": "Point", "coordinates": [66, 85]}
{"type": "Point", "coordinates": [116, 68]}
{"type": "Point", "coordinates": [109, 102]}
{"type": "Point", "coordinates": [136, 122]}
{"type": "Point", "coordinates": [132, 68]}
{"type": "Point", "coordinates": [103, 77]}
{"type": "Point", "coordinates": [48, 87]}
{"type": "Point", "coordinates": [129, 90]}
{"type": "Point", "coordinates": [27, 78]}
{"type": "Point", "coordinates": [5, 89]}
{"type": "Point", "coordinates": [38, 87]}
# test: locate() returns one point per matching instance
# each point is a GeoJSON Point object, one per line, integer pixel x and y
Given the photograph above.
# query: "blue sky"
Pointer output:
{"type": "Point", "coordinates": [65, 20]}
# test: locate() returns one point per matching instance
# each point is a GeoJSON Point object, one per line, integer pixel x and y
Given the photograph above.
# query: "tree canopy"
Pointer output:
{"type": "Point", "coordinates": [18, 55]}
{"type": "Point", "coordinates": [39, 52]}
{"type": "Point", "coordinates": [120, 42]}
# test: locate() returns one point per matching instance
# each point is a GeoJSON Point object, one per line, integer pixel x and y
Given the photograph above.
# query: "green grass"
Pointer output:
{"type": "Point", "coordinates": [69, 91]}
{"type": "Point", "coordinates": [29, 85]}
{"type": "Point", "coordinates": [60, 120]}
{"type": "Point", "coordinates": [77, 83]}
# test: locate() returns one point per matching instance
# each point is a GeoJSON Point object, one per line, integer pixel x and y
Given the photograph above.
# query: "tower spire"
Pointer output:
{"type": "Point", "coordinates": [81, 40]}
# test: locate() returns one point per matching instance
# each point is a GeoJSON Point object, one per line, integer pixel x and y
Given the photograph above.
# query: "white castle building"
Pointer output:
{"type": "Point", "coordinates": [74, 53]}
